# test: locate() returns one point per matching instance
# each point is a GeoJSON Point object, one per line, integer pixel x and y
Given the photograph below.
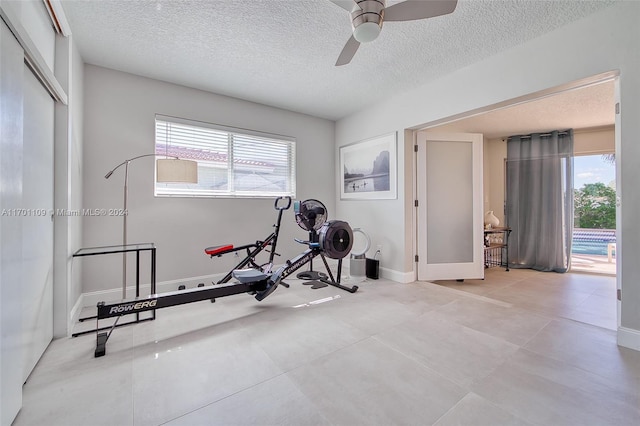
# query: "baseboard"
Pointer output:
{"type": "Point", "coordinates": [74, 315]}
{"type": "Point", "coordinates": [401, 277]}
{"type": "Point", "coordinates": [92, 298]}
{"type": "Point", "coordinates": [629, 338]}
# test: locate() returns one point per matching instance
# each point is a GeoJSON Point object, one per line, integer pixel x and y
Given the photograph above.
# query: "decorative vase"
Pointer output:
{"type": "Point", "coordinates": [490, 220]}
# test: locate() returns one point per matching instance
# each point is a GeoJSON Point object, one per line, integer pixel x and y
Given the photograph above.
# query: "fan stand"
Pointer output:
{"type": "Point", "coordinates": [323, 280]}
{"type": "Point", "coordinates": [314, 277]}
{"type": "Point", "coordinates": [311, 215]}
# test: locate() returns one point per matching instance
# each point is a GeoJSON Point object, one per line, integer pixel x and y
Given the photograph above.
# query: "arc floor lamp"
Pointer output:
{"type": "Point", "coordinates": [170, 169]}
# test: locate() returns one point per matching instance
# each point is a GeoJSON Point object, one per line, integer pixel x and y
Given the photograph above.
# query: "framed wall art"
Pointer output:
{"type": "Point", "coordinates": [368, 169]}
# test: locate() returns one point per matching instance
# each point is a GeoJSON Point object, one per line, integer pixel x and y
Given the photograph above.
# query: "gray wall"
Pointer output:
{"type": "Point", "coordinates": [119, 113]}
{"type": "Point", "coordinates": [606, 41]}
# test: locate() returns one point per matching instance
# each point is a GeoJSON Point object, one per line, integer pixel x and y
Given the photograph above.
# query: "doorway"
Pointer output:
{"type": "Point", "coordinates": [555, 108]}
{"type": "Point", "coordinates": [559, 108]}
{"type": "Point", "coordinates": [593, 247]}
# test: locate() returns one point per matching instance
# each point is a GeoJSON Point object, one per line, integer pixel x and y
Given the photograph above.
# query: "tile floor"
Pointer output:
{"type": "Point", "coordinates": [519, 348]}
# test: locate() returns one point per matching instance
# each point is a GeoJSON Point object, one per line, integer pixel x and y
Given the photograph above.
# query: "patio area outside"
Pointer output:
{"type": "Point", "coordinates": [594, 237]}
{"type": "Point", "coordinates": [594, 251]}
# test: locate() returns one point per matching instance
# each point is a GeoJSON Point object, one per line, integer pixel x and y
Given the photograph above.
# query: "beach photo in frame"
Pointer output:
{"type": "Point", "coordinates": [368, 169]}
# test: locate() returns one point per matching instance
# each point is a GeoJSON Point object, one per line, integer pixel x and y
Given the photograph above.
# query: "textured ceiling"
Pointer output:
{"type": "Point", "coordinates": [587, 107]}
{"type": "Point", "coordinates": [282, 52]}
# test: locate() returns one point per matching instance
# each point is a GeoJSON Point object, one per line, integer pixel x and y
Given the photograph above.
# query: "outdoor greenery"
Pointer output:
{"type": "Point", "coordinates": [595, 206]}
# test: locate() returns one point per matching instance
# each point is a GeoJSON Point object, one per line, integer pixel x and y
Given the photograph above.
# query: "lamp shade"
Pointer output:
{"type": "Point", "coordinates": [177, 171]}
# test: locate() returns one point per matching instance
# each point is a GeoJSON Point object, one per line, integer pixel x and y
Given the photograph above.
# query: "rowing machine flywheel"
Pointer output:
{"type": "Point", "coordinates": [336, 239]}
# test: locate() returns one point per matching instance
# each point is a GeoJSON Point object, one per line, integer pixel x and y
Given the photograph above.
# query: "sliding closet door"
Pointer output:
{"type": "Point", "coordinates": [11, 75]}
{"type": "Point", "coordinates": [37, 228]}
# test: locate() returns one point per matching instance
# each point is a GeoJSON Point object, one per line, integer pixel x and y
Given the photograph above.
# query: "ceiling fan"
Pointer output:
{"type": "Point", "coordinates": [367, 17]}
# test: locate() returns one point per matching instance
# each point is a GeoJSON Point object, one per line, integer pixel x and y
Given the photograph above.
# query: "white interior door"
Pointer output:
{"type": "Point", "coordinates": [450, 219]}
{"type": "Point", "coordinates": [37, 224]}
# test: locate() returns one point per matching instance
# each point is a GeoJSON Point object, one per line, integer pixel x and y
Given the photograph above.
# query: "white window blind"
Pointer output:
{"type": "Point", "coordinates": [231, 162]}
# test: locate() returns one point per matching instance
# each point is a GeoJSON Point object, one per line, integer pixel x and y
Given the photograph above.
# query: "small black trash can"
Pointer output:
{"type": "Point", "coordinates": [373, 268]}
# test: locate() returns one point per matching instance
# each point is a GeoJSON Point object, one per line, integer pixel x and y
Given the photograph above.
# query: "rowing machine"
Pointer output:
{"type": "Point", "coordinates": [334, 240]}
{"type": "Point", "coordinates": [281, 204]}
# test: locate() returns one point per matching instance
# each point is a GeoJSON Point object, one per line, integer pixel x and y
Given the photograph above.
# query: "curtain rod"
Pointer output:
{"type": "Point", "coordinates": [565, 132]}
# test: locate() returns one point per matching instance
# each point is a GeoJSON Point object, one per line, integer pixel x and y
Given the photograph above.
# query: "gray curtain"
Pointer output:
{"type": "Point", "coordinates": [539, 205]}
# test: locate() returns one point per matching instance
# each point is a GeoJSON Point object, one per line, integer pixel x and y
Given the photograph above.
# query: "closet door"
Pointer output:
{"type": "Point", "coordinates": [11, 122]}
{"type": "Point", "coordinates": [37, 227]}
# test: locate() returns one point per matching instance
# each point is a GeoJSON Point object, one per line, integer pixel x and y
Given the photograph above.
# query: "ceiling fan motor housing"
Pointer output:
{"type": "Point", "coordinates": [366, 18]}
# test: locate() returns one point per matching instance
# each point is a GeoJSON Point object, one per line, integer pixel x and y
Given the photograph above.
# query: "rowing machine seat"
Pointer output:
{"type": "Point", "coordinates": [218, 250]}
{"type": "Point", "coordinates": [246, 276]}
{"type": "Point", "coordinates": [272, 284]}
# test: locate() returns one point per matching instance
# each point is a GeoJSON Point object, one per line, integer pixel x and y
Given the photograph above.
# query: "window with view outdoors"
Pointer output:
{"type": "Point", "coordinates": [231, 162]}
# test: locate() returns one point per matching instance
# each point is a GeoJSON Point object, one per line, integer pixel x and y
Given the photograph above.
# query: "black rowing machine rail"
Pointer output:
{"type": "Point", "coordinates": [256, 282]}
{"type": "Point", "coordinates": [333, 240]}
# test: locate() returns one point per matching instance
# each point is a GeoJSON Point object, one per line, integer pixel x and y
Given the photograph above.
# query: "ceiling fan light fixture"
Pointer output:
{"type": "Point", "coordinates": [367, 17]}
{"type": "Point", "coordinates": [366, 32]}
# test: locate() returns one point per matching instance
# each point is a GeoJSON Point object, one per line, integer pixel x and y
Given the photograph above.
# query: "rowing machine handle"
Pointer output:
{"type": "Point", "coordinates": [311, 244]}
{"type": "Point", "coordinates": [284, 207]}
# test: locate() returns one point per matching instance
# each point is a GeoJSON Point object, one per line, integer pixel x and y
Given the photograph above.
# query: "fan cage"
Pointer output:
{"type": "Point", "coordinates": [301, 211]}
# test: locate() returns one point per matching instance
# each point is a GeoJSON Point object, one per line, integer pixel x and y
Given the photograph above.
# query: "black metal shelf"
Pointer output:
{"type": "Point", "coordinates": [496, 254]}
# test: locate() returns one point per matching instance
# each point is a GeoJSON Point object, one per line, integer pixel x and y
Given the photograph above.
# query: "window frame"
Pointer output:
{"type": "Point", "coordinates": [232, 133]}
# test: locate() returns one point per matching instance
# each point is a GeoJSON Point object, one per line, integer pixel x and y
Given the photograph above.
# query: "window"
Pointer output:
{"type": "Point", "coordinates": [231, 162]}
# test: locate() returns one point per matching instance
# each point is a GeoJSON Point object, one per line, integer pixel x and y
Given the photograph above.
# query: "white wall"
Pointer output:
{"type": "Point", "coordinates": [606, 41]}
{"type": "Point", "coordinates": [68, 185]}
{"type": "Point", "coordinates": [119, 124]}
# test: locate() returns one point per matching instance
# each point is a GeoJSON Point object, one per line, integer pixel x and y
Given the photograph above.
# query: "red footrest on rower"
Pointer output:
{"type": "Point", "coordinates": [212, 251]}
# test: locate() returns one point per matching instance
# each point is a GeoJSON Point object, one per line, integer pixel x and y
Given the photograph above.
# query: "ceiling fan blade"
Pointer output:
{"type": "Point", "coordinates": [345, 4]}
{"type": "Point", "coordinates": [412, 10]}
{"type": "Point", "coordinates": [348, 51]}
